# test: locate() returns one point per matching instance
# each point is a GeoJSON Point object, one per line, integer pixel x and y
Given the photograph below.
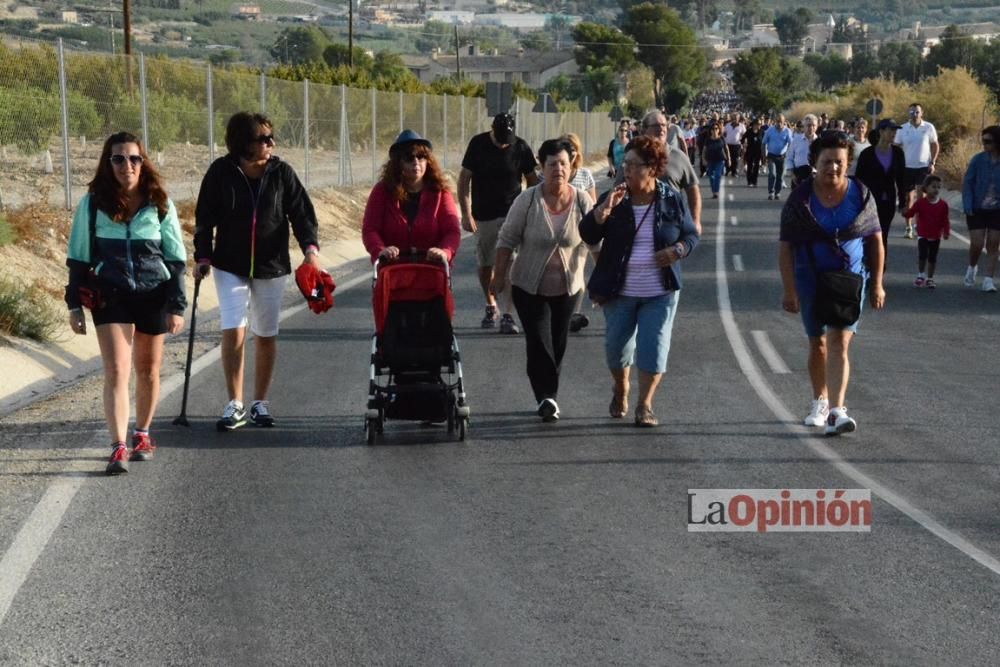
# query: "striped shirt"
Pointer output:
{"type": "Point", "coordinates": [642, 275]}
{"type": "Point", "coordinates": [583, 180]}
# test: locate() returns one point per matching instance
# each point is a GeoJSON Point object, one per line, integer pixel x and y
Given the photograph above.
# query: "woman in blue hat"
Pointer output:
{"type": "Point", "coordinates": [411, 208]}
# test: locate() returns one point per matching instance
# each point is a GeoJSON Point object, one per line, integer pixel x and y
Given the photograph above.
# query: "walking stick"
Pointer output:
{"type": "Point", "coordinates": [181, 419]}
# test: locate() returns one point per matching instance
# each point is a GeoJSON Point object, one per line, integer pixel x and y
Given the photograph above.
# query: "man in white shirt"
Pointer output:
{"type": "Point", "coordinates": [733, 135]}
{"type": "Point", "coordinates": [799, 152]}
{"type": "Point", "coordinates": [919, 141]}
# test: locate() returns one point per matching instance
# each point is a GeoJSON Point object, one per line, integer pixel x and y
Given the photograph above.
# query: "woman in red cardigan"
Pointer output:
{"type": "Point", "coordinates": [411, 207]}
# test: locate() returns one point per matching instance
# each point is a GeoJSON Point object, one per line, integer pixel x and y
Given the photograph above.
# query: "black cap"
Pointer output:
{"type": "Point", "coordinates": [888, 124]}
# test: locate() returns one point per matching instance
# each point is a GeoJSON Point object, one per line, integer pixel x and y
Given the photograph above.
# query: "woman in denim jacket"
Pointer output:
{"type": "Point", "coordinates": [646, 229]}
{"type": "Point", "coordinates": [981, 201]}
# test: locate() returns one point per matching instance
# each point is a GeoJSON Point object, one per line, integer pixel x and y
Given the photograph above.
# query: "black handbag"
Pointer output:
{"type": "Point", "coordinates": [838, 293]}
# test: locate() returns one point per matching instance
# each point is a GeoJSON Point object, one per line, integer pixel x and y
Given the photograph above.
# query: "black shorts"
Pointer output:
{"type": "Point", "coordinates": [984, 220]}
{"type": "Point", "coordinates": [147, 311]}
{"type": "Point", "coordinates": [914, 178]}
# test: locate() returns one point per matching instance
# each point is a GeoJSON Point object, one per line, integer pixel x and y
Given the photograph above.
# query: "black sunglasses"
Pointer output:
{"type": "Point", "coordinates": [266, 138]}
{"type": "Point", "coordinates": [835, 134]}
{"type": "Point", "coordinates": [119, 160]}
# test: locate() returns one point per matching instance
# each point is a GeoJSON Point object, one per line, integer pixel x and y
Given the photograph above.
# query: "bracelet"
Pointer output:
{"type": "Point", "coordinates": [73, 311]}
{"type": "Point", "coordinates": [311, 250]}
{"type": "Point", "coordinates": [679, 249]}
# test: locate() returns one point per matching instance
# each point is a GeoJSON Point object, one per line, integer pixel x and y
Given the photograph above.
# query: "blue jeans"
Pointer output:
{"type": "Point", "coordinates": [638, 330]}
{"type": "Point", "coordinates": [715, 175]}
{"type": "Point", "coordinates": [775, 171]}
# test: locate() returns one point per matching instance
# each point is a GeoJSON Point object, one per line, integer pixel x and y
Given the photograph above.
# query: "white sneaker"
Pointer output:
{"type": "Point", "coordinates": [818, 412]}
{"type": "Point", "coordinates": [548, 410]}
{"type": "Point", "coordinates": [838, 422]}
{"type": "Point", "coordinates": [988, 285]}
{"type": "Point", "coordinates": [970, 276]}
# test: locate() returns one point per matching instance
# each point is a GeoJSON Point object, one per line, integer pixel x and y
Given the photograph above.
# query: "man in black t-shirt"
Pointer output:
{"type": "Point", "coordinates": [493, 165]}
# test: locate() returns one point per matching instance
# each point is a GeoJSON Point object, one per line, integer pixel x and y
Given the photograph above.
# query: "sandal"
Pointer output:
{"type": "Point", "coordinates": [645, 417]}
{"type": "Point", "coordinates": [619, 405]}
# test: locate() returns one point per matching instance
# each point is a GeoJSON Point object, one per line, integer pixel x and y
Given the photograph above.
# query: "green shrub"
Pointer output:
{"type": "Point", "coordinates": [26, 312]}
{"type": "Point", "coordinates": [7, 234]}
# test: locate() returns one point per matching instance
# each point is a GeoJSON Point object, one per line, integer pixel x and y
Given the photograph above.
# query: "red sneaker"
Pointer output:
{"type": "Point", "coordinates": [117, 463]}
{"type": "Point", "coordinates": [142, 447]}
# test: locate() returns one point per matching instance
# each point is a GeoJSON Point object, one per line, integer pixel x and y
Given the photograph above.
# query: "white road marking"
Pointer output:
{"type": "Point", "coordinates": [737, 262]}
{"type": "Point", "coordinates": [783, 414]}
{"type": "Point", "coordinates": [34, 535]}
{"type": "Point", "coordinates": [771, 356]}
{"type": "Point", "coordinates": [731, 198]}
{"type": "Point", "coordinates": [732, 219]}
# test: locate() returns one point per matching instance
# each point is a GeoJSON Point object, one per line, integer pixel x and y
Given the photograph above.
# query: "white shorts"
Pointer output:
{"type": "Point", "coordinates": [261, 297]}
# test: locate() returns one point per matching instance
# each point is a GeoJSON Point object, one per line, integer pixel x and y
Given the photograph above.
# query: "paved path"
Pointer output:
{"type": "Point", "coordinates": [541, 544]}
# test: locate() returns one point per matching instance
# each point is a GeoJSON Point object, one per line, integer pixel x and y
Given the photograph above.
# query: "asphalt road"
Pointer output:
{"type": "Point", "coordinates": [541, 544]}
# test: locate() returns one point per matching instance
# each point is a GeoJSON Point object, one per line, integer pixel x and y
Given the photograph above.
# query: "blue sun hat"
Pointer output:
{"type": "Point", "coordinates": [409, 137]}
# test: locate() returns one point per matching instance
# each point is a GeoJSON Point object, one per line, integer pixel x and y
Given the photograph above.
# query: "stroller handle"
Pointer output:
{"type": "Point", "coordinates": [413, 257]}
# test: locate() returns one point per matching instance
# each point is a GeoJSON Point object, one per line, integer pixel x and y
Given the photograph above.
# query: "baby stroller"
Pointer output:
{"type": "Point", "coordinates": [416, 369]}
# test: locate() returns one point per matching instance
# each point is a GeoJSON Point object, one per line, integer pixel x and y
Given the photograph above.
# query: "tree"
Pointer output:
{"type": "Point", "coordinates": [954, 50]}
{"type": "Point", "coordinates": [336, 55]}
{"type": "Point", "coordinates": [987, 68]}
{"type": "Point", "coordinates": [843, 33]}
{"type": "Point", "coordinates": [603, 46]}
{"type": "Point", "coordinates": [793, 26]}
{"type": "Point", "coordinates": [536, 41]}
{"type": "Point", "coordinates": [667, 46]}
{"type": "Point", "coordinates": [435, 35]}
{"type": "Point", "coordinates": [865, 64]}
{"type": "Point", "coordinates": [599, 85]}
{"type": "Point", "coordinates": [900, 60]}
{"type": "Point", "coordinates": [832, 70]}
{"type": "Point", "coordinates": [746, 13]}
{"type": "Point", "coordinates": [296, 46]}
{"type": "Point", "coordinates": [757, 78]}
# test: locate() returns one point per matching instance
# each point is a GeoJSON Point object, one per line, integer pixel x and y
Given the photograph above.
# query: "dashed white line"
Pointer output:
{"type": "Point", "coordinates": [737, 262]}
{"type": "Point", "coordinates": [783, 414]}
{"type": "Point", "coordinates": [733, 220]}
{"type": "Point", "coordinates": [771, 356]}
{"type": "Point", "coordinates": [34, 535]}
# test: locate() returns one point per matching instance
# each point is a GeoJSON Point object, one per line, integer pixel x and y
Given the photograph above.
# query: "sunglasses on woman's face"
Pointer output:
{"type": "Point", "coordinates": [266, 138]}
{"type": "Point", "coordinates": [119, 160]}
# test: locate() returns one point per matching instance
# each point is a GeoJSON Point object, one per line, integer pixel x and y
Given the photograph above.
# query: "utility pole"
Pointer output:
{"type": "Point", "coordinates": [458, 58]}
{"type": "Point", "coordinates": [127, 26]}
{"type": "Point", "coordinates": [350, 34]}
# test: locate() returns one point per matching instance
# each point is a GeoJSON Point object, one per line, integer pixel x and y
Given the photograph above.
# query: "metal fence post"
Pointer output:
{"type": "Point", "coordinates": [479, 116]}
{"type": "Point", "coordinates": [424, 130]}
{"type": "Point", "coordinates": [305, 128]}
{"type": "Point", "coordinates": [401, 128]}
{"type": "Point", "coordinates": [142, 101]}
{"type": "Point", "coordinates": [444, 153]}
{"type": "Point", "coordinates": [211, 117]}
{"type": "Point", "coordinates": [374, 153]}
{"type": "Point", "coordinates": [586, 124]}
{"type": "Point", "coordinates": [462, 130]}
{"type": "Point", "coordinates": [67, 182]}
{"type": "Point", "coordinates": [263, 93]}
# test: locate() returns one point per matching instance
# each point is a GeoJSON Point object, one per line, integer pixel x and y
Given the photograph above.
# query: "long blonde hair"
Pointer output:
{"type": "Point", "coordinates": [574, 141]}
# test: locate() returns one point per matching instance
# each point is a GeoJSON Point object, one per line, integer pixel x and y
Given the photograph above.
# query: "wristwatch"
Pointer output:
{"type": "Point", "coordinates": [679, 249]}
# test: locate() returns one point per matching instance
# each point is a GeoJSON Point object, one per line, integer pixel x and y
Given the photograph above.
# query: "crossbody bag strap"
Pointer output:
{"type": "Point", "coordinates": [92, 228]}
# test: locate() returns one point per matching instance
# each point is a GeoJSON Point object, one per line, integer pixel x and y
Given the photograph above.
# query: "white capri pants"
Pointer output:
{"type": "Point", "coordinates": [261, 297]}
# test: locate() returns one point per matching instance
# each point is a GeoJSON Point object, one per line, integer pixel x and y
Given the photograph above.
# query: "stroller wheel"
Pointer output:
{"type": "Point", "coordinates": [463, 425]}
{"type": "Point", "coordinates": [372, 430]}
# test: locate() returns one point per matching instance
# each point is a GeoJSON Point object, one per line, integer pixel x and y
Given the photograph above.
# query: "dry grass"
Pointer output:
{"type": "Point", "coordinates": [952, 163]}
{"type": "Point", "coordinates": [26, 311]}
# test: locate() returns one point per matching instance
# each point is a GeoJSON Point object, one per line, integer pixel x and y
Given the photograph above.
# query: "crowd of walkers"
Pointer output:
{"type": "Point", "coordinates": [538, 222]}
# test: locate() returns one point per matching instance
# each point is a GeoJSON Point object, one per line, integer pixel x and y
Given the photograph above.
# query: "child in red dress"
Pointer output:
{"type": "Point", "coordinates": [931, 213]}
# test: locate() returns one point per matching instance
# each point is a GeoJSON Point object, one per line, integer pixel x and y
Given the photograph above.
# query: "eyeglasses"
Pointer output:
{"type": "Point", "coordinates": [634, 164]}
{"type": "Point", "coordinates": [987, 141]}
{"type": "Point", "coordinates": [835, 134]}
{"type": "Point", "coordinates": [119, 160]}
{"type": "Point", "coordinates": [266, 138]}
{"type": "Point", "coordinates": [663, 125]}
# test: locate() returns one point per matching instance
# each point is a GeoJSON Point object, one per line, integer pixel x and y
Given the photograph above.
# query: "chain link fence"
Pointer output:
{"type": "Point", "coordinates": [57, 107]}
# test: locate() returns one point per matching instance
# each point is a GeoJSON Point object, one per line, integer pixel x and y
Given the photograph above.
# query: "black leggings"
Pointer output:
{"type": "Point", "coordinates": [927, 250]}
{"type": "Point", "coordinates": [545, 321]}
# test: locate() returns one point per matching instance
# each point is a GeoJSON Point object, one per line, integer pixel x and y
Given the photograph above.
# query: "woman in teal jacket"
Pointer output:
{"type": "Point", "coordinates": [126, 264]}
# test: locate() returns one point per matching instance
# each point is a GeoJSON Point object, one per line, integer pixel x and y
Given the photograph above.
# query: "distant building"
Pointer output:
{"type": "Point", "coordinates": [926, 37]}
{"type": "Point", "coordinates": [530, 68]}
{"type": "Point", "coordinates": [68, 16]}
{"type": "Point", "coordinates": [246, 12]}
{"type": "Point", "coordinates": [452, 17]}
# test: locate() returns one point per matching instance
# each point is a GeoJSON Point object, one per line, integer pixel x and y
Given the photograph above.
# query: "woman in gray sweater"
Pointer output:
{"type": "Point", "coordinates": [543, 227]}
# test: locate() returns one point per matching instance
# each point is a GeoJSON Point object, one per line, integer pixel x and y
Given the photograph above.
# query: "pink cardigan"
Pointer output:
{"type": "Point", "coordinates": [436, 224]}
